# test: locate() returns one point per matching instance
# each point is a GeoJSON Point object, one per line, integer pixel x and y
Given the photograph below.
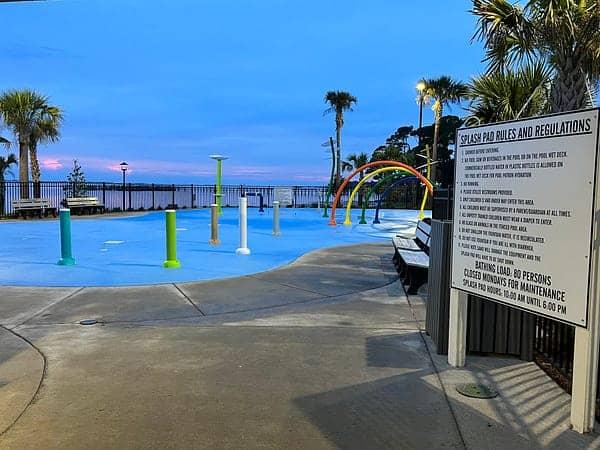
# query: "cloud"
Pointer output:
{"type": "Point", "coordinates": [51, 164]}
{"type": "Point", "coordinates": [154, 168]}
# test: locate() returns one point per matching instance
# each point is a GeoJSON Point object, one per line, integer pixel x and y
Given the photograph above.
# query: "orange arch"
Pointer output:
{"type": "Point", "coordinates": [339, 192]}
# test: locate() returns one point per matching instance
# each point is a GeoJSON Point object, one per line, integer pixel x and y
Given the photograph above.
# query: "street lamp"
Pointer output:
{"type": "Point", "coordinates": [421, 88]}
{"type": "Point", "coordinates": [123, 167]}
{"type": "Point", "coordinates": [218, 194]}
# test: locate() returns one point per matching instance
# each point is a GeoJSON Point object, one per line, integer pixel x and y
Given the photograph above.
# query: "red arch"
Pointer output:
{"type": "Point", "coordinates": [339, 192]}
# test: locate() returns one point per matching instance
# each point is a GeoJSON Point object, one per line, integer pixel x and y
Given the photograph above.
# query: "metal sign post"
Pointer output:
{"type": "Point", "coordinates": [585, 360]}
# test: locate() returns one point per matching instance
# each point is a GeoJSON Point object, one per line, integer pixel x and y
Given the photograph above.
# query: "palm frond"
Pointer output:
{"type": "Point", "coordinates": [339, 101]}
{"type": "Point", "coordinates": [4, 142]}
{"type": "Point", "coordinates": [508, 95]}
{"type": "Point", "coordinates": [507, 34]}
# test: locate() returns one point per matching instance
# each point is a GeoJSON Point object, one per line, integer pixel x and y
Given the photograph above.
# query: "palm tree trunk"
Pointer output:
{"type": "Point", "coordinates": [24, 166]}
{"type": "Point", "coordinates": [569, 88]}
{"type": "Point", "coordinates": [338, 145]}
{"type": "Point", "coordinates": [436, 136]}
{"type": "Point", "coordinates": [35, 170]}
{"type": "Point", "coordinates": [333, 166]}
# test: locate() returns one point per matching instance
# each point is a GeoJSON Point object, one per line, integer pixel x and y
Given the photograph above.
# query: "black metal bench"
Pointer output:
{"type": "Point", "coordinates": [39, 207]}
{"type": "Point", "coordinates": [411, 256]}
{"type": "Point", "coordinates": [85, 205]}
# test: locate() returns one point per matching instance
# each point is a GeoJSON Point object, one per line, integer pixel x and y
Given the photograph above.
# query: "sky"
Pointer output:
{"type": "Point", "coordinates": [163, 84]}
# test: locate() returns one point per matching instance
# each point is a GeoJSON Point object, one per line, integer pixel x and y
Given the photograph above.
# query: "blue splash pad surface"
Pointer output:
{"type": "Point", "coordinates": [130, 250]}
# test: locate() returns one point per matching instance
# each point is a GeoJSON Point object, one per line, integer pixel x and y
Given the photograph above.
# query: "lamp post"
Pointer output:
{"type": "Point", "coordinates": [420, 88]}
{"type": "Point", "coordinates": [124, 167]}
{"type": "Point", "coordinates": [218, 194]}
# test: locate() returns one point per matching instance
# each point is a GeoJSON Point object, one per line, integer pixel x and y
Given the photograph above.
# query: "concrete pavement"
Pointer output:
{"type": "Point", "coordinates": [326, 353]}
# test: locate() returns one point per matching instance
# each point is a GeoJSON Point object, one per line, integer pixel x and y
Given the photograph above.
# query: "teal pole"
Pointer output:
{"type": "Point", "coordinates": [171, 231]}
{"type": "Point", "coordinates": [66, 257]}
{"type": "Point", "coordinates": [328, 196]}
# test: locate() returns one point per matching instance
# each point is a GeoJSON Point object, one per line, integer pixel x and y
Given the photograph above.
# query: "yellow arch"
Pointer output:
{"type": "Point", "coordinates": [363, 181]}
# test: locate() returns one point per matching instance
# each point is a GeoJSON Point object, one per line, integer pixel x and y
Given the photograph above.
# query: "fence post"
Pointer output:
{"type": "Point", "coordinates": [129, 187]}
{"type": "Point", "coordinates": [173, 195]}
{"type": "Point", "coordinates": [104, 194]}
{"type": "Point", "coordinates": [192, 196]}
{"type": "Point", "coordinates": [153, 205]}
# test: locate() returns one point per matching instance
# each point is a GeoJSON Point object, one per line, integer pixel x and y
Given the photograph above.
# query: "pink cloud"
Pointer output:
{"type": "Point", "coordinates": [51, 164]}
{"type": "Point", "coordinates": [190, 168]}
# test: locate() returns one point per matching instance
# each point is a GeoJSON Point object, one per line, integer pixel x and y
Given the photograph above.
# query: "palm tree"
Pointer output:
{"type": "Point", "coordinates": [25, 112]}
{"type": "Point", "coordinates": [443, 91]}
{"type": "Point", "coordinates": [563, 34]}
{"type": "Point", "coordinates": [339, 101]}
{"type": "Point", "coordinates": [510, 94]}
{"type": "Point", "coordinates": [355, 161]}
{"type": "Point", "coordinates": [5, 166]}
{"type": "Point", "coordinates": [45, 131]}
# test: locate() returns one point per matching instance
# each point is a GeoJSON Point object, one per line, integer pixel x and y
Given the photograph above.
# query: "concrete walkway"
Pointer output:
{"type": "Point", "coordinates": [324, 354]}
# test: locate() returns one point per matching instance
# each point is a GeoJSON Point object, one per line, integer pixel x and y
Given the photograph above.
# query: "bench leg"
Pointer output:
{"type": "Point", "coordinates": [395, 258]}
{"type": "Point", "coordinates": [402, 269]}
{"type": "Point", "coordinates": [417, 277]}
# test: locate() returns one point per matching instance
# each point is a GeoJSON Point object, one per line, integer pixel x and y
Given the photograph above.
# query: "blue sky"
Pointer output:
{"type": "Point", "coordinates": [162, 83]}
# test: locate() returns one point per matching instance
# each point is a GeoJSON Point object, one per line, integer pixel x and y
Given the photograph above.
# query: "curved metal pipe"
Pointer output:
{"type": "Point", "coordinates": [383, 196]}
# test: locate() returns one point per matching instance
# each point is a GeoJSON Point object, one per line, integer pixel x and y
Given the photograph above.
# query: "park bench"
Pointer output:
{"type": "Point", "coordinates": [84, 205]}
{"type": "Point", "coordinates": [39, 207]}
{"type": "Point", "coordinates": [411, 256]}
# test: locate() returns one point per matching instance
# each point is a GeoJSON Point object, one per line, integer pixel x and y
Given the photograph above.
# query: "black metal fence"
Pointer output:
{"type": "Point", "coordinates": [151, 196]}
{"type": "Point", "coordinates": [492, 328]}
{"type": "Point", "coordinates": [554, 348]}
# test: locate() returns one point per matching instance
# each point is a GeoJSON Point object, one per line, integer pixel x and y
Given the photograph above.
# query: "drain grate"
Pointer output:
{"type": "Point", "coordinates": [476, 390]}
{"type": "Point", "coordinates": [88, 322]}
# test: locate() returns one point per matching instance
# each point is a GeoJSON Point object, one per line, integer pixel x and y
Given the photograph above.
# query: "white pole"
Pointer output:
{"type": "Point", "coordinates": [585, 359]}
{"type": "Point", "coordinates": [457, 335]}
{"type": "Point", "coordinates": [243, 250]}
{"type": "Point", "coordinates": [276, 228]}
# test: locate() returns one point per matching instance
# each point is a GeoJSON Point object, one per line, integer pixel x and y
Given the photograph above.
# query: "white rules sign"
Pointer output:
{"type": "Point", "coordinates": [523, 212]}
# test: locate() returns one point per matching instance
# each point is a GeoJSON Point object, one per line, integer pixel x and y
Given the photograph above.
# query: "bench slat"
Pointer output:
{"type": "Point", "coordinates": [405, 244]}
{"type": "Point", "coordinates": [76, 202]}
{"type": "Point", "coordinates": [30, 203]}
{"type": "Point", "coordinates": [416, 259]}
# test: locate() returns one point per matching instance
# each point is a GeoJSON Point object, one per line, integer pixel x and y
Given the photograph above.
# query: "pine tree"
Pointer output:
{"type": "Point", "coordinates": [77, 186]}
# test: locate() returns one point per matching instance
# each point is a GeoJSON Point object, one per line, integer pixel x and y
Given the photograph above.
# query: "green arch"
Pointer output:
{"type": "Point", "coordinates": [392, 176]}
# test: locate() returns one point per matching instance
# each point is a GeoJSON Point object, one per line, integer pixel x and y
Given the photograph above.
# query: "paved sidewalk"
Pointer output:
{"type": "Point", "coordinates": [326, 353]}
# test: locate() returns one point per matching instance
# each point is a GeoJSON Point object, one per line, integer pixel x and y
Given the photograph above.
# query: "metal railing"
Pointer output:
{"type": "Point", "coordinates": [153, 196]}
{"type": "Point", "coordinates": [555, 345]}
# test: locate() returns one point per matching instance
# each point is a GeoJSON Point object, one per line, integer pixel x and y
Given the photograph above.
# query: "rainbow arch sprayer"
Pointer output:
{"type": "Point", "coordinates": [387, 164]}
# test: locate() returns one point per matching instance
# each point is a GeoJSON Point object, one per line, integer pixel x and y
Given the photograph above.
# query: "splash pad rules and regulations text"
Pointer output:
{"type": "Point", "coordinates": [524, 201]}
